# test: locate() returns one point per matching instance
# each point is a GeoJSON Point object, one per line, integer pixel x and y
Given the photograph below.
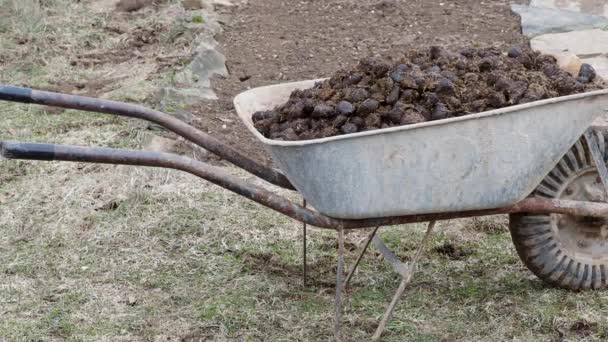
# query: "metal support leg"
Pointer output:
{"type": "Point", "coordinates": [598, 157]}
{"type": "Point", "coordinates": [337, 334]}
{"type": "Point", "coordinates": [304, 263]}
{"type": "Point", "coordinates": [354, 268]}
{"type": "Point", "coordinates": [407, 277]}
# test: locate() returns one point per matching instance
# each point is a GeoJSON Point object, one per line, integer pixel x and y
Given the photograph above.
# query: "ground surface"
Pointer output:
{"type": "Point", "coordinates": [275, 41]}
{"type": "Point", "coordinates": [89, 252]}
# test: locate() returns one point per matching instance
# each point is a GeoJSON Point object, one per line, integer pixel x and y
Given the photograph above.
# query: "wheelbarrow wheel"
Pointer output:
{"type": "Point", "coordinates": [563, 250]}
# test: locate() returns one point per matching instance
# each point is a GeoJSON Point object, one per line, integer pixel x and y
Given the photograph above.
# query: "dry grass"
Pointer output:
{"type": "Point", "coordinates": [92, 252]}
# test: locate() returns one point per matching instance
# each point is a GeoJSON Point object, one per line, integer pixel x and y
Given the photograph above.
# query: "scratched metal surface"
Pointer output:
{"type": "Point", "coordinates": [480, 161]}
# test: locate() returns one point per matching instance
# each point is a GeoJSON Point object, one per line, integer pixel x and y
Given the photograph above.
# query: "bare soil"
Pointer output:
{"type": "Point", "coordinates": [424, 85]}
{"type": "Point", "coordinates": [274, 41]}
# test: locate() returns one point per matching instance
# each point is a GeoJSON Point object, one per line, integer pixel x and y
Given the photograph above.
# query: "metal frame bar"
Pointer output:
{"type": "Point", "coordinates": [304, 261]}
{"type": "Point", "coordinates": [360, 256]}
{"type": "Point", "coordinates": [598, 159]}
{"type": "Point", "coordinates": [339, 286]}
{"type": "Point", "coordinates": [216, 175]}
{"type": "Point", "coordinates": [390, 257]}
{"type": "Point", "coordinates": [406, 278]}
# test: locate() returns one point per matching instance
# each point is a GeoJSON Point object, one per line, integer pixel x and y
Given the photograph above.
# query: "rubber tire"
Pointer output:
{"type": "Point", "coordinates": [537, 244]}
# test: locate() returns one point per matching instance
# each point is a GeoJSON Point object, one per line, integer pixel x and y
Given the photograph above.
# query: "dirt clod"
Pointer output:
{"type": "Point", "coordinates": [132, 5]}
{"type": "Point", "coordinates": [451, 251]}
{"type": "Point", "coordinates": [514, 52]}
{"type": "Point", "coordinates": [423, 85]}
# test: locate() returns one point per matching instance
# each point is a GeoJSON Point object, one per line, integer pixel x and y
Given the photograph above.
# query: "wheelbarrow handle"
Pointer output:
{"type": "Point", "coordinates": [27, 95]}
{"type": "Point", "coordinates": [27, 151]}
{"type": "Point", "coordinates": [16, 94]}
{"type": "Point", "coordinates": [216, 175]}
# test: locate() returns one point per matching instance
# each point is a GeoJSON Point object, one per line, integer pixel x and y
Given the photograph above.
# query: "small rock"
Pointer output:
{"type": "Point", "coordinates": [340, 120]}
{"type": "Point", "coordinates": [478, 106]}
{"type": "Point", "coordinates": [368, 106]}
{"type": "Point", "coordinates": [353, 79]}
{"type": "Point", "coordinates": [449, 75]}
{"type": "Point", "coordinates": [323, 111]}
{"type": "Point", "coordinates": [445, 87]}
{"type": "Point", "coordinates": [439, 112]}
{"type": "Point", "coordinates": [496, 99]}
{"type": "Point", "coordinates": [453, 103]}
{"type": "Point", "coordinates": [393, 96]}
{"type": "Point", "coordinates": [358, 95]}
{"type": "Point", "coordinates": [514, 52]}
{"type": "Point", "coordinates": [411, 117]}
{"type": "Point", "coordinates": [131, 300]}
{"type": "Point", "coordinates": [535, 92]}
{"type": "Point", "coordinates": [408, 82]}
{"type": "Point", "coordinates": [289, 134]}
{"type": "Point", "coordinates": [471, 77]}
{"type": "Point", "coordinates": [587, 71]}
{"type": "Point", "coordinates": [356, 121]}
{"type": "Point", "coordinates": [402, 67]}
{"type": "Point", "coordinates": [159, 144]}
{"type": "Point", "coordinates": [409, 95]}
{"type": "Point", "coordinates": [468, 52]}
{"type": "Point", "coordinates": [257, 116]}
{"type": "Point", "coordinates": [373, 120]}
{"type": "Point", "coordinates": [435, 52]}
{"type": "Point", "coordinates": [395, 115]}
{"type": "Point", "coordinates": [551, 70]}
{"type": "Point", "coordinates": [385, 83]}
{"type": "Point", "coordinates": [397, 75]}
{"type": "Point", "coordinates": [526, 60]}
{"type": "Point", "coordinates": [295, 111]}
{"type": "Point", "coordinates": [309, 105]}
{"type": "Point", "coordinates": [349, 128]}
{"type": "Point", "coordinates": [516, 90]}
{"type": "Point", "coordinates": [345, 107]}
{"type": "Point", "coordinates": [132, 5]}
{"type": "Point", "coordinates": [434, 69]}
{"type": "Point", "coordinates": [192, 4]}
{"type": "Point", "coordinates": [431, 99]}
{"type": "Point", "coordinates": [301, 125]}
{"type": "Point", "coordinates": [486, 64]}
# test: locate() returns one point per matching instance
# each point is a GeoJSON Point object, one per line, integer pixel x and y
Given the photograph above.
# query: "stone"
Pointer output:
{"type": "Point", "coordinates": [585, 43]}
{"type": "Point", "coordinates": [132, 5]}
{"type": "Point", "coordinates": [131, 300]}
{"type": "Point", "coordinates": [192, 4]}
{"type": "Point", "coordinates": [539, 20]}
{"type": "Point", "coordinates": [185, 96]}
{"type": "Point", "coordinates": [195, 79]}
{"type": "Point", "coordinates": [594, 7]}
{"type": "Point", "coordinates": [600, 64]}
{"type": "Point", "coordinates": [157, 143]}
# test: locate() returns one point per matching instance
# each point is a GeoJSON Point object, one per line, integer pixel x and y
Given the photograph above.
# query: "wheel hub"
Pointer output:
{"type": "Point", "coordinates": [582, 236]}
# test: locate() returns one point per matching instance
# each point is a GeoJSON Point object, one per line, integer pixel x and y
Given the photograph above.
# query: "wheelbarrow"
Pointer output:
{"type": "Point", "coordinates": [541, 162]}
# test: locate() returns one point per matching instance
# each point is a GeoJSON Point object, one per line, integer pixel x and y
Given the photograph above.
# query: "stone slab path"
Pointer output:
{"type": "Point", "coordinates": [578, 27]}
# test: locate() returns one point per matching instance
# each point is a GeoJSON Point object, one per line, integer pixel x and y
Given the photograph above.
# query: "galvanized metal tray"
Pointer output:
{"type": "Point", "coordinates": [485, 160]}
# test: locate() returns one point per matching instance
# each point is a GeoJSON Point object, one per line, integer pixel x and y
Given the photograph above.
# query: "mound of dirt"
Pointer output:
{"type": "Point", "coordinates": [423, 85]}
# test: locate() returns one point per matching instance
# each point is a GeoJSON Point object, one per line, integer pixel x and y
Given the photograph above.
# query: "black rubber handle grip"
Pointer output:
{"type": "Point", "coordinates": [15, 94]}
{"type": "Point", "coordinates": [29, 151]}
